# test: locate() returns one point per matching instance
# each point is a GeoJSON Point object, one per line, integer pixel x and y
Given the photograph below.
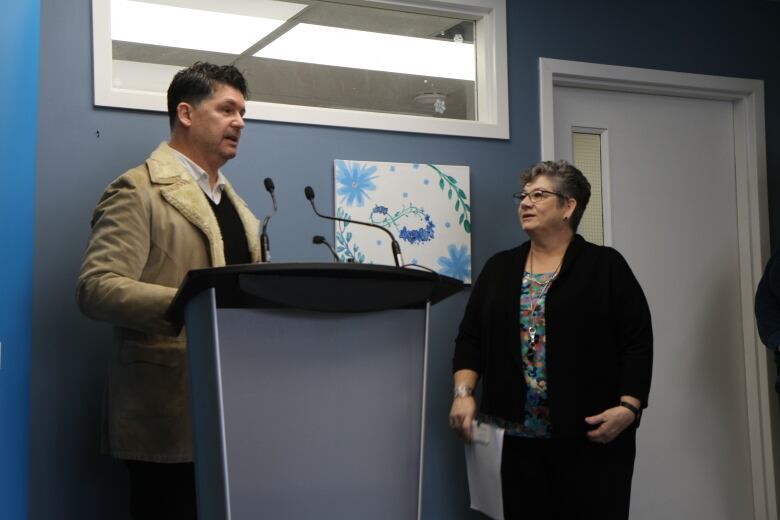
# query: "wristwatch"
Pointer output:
{"type": "Point", "coordinates": [637, 411]}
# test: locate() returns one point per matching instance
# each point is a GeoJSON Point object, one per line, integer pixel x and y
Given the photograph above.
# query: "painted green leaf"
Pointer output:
{"type": "Point", "coordinates": [461, 219]}
{"type": "Point", "coordinates": [457, 205]}
{"type": "Point", "coordinates": [467, 207]}
{"type": "Point", "coordinates": [349, 236]}
{"type": "Point", "coordinates": [452, 179]}
{"type": "Point", "coordinates": [462, 194]}
{"type": "Point", "coordinates": [467, 226]}
{"type": "Point", "coordinates": [449, 194]}
{"type": "Point", "coordinates": [441, 184]}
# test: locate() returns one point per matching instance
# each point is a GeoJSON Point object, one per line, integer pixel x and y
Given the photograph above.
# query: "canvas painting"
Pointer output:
{"type": "Point", "coordinates": [426, 206]}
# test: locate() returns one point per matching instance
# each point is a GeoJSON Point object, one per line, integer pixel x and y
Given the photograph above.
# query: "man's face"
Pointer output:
{"type": "Point", "coordinates": [216, 124]}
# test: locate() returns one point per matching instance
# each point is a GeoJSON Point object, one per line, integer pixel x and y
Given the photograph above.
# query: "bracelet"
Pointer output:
{"type": "Point", "coordinates": [462, 390]}
{"type": "Point", "coordinates": [637, 412]}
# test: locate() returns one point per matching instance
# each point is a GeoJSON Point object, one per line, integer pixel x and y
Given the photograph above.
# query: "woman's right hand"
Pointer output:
{"type": "Point", "coordinates": [462, 413]}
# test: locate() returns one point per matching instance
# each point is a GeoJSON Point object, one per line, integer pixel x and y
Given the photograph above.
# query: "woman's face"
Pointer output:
{"type": "Point", "coordinates": [547, 215]}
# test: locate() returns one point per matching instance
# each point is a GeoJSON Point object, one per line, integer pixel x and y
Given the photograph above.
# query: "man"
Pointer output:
{"type": "Point", "coordinates": [767, 309]}
{"type": "Point", "coordinates": [154, 223]}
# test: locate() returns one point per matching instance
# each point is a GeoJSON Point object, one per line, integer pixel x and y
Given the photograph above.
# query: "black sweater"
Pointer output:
{"type": "Point", "coordinates": [599, 336]}
{"type": "Point", "coordinates": [232, 229]}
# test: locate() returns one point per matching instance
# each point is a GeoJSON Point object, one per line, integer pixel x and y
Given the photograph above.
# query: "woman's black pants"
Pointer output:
{"type": "Point", "coordinates": [567, 478]}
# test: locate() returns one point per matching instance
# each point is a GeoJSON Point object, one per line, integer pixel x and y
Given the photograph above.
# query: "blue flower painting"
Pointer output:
{"type": "Point", "coordinates": [426, 207]}
{"type": "Point", "coordinates": [457, 264]}
{"type": "Point", "coordinates": [354, 179]}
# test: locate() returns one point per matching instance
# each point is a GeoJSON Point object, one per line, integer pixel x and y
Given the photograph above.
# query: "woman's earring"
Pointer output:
{"type": "Point", "coordinates": [565, 219]}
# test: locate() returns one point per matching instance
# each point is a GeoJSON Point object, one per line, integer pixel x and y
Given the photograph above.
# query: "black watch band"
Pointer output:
{"type": "Point", "coordinates": [637, 411]}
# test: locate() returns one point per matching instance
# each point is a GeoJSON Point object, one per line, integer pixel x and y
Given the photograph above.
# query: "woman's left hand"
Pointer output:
{"type": "Point", "coordinates": [611, 423]}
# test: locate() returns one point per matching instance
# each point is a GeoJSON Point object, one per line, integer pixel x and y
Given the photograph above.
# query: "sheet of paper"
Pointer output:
{"type": "Point", "coordinates": [483, 465]}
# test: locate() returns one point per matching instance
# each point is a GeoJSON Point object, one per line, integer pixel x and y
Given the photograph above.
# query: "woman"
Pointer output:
{"type": "Point", "coordinates": [558, 330]}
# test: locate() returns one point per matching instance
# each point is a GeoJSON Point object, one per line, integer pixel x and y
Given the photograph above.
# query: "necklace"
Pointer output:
{"type": "Point", "coordinates": [535, 301]}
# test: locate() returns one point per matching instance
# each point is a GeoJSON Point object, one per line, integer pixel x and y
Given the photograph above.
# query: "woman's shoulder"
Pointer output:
{"type": "Point", "coordinates": [603, 253]}
{"type": "Point", "coordinates": [612, 260]}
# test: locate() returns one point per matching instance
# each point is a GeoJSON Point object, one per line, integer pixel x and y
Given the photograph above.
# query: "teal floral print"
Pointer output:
{"type": "Point", "coordinates": [536, 421]}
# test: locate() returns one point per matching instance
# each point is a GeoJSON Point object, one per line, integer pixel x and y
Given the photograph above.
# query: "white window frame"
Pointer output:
{"type": "Point", "coordinates": [492, 84]}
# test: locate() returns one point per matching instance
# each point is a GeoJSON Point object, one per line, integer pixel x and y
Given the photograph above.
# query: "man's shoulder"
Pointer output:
{"type": "Point", "coordinates": [162, 166]}
{"type": "Point", "coordinates": [135, 177]}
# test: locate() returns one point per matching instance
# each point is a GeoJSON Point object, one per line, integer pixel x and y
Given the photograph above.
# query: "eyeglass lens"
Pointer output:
{"type": "Point", "coordinates": [534, 196]}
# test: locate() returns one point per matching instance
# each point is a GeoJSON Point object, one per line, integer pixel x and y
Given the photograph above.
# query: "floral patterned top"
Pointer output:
{"type": "Point", "coordinates": [536, 421]}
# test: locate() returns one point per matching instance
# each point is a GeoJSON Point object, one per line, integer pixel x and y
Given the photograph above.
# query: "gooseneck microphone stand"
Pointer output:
{"type": "Point", "coordinates": [265, 248]}
{"type": "Point", "coordinates": [397, 257]}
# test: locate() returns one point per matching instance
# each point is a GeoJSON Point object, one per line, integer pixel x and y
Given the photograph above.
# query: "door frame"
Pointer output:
{"type": "Point", "coordinates": [747, 98]}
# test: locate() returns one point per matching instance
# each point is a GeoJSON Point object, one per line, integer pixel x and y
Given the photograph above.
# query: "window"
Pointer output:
{"type": "Point", "coordinates": [391, 65]}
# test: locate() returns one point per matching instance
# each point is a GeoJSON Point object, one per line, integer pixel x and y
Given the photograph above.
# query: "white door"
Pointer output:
{"type": "Point", "coordinates": [673, 215]}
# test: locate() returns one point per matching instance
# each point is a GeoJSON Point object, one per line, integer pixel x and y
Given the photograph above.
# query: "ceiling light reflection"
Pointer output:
{"type": "Point", "coordinates": [373, 51]}
{"type": "Point", "coordinates": [185, 28]}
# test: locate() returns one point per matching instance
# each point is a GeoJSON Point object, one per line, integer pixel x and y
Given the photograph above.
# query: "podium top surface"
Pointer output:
{"type": "Point", "coordinates": [325, 287]}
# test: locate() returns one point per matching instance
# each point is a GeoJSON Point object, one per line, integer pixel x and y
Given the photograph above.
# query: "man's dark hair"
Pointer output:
{"type": "Point", "coordinates": [196, 83]}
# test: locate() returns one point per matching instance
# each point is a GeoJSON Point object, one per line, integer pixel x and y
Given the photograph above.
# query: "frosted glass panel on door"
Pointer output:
{"type": "Point", "coordinates": [586, 154]}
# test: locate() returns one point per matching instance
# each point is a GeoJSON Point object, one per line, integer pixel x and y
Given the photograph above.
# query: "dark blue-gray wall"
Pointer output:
{"type": "Point", "coordinates": [19, 43]}
{"type": "Point", "coordinates": [81, 148]}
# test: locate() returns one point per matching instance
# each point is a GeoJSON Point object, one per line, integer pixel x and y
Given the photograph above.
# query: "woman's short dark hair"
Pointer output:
{"type": "Point", "coordinates": [567, 179]}
{"type": "Point", "coordinates": [198, 82]}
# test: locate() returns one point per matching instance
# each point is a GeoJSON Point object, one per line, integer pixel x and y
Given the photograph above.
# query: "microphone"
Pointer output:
{"type": "Point", "coordinates": [397, 257]}
{"type": "Point", "coordinates": [265, 248]}
{"type": "Point", "coordinates": [319, 239]}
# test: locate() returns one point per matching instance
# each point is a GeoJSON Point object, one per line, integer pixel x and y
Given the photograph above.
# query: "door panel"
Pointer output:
{"type": "Point", "coordinates": [673, 207]}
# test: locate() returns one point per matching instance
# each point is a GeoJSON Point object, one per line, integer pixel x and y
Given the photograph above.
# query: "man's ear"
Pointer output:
{"type": "Point", "coordinates": [184, 114]}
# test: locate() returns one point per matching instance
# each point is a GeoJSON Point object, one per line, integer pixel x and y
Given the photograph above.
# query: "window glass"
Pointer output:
{"type": "Point", "coordinates": [353, 56]}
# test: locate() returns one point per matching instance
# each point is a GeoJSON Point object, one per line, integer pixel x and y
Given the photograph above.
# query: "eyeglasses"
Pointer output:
{"type": "Point", "coordinates": [535, 196]}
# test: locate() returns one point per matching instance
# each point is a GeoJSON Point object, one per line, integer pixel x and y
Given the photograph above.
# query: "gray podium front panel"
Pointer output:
{"type": "Point", "coordinates": [321, 413]}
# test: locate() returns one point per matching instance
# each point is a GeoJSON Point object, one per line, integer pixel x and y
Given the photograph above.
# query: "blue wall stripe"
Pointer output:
{"type": "Point", "coordinates": [19, 53]}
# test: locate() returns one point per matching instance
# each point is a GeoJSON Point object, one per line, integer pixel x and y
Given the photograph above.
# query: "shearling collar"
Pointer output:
{"type": "Point", "coordinates": [184, 194]}
{"type": "Point", "coordinates": [164, 165]}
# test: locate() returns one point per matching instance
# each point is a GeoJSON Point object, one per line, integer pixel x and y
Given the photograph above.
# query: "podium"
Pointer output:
{"type": "Point", "coordinates": [308, 388]}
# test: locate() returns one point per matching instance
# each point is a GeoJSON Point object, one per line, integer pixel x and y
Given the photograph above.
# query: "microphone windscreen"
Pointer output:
{"type": "Point", "coordinates": [309, 192]}
{"type": "Point", "coordinates": [269, 184]}
{"type": "Point", "coordinates": [317, 239]}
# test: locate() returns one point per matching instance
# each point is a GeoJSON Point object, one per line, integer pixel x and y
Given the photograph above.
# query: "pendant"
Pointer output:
{"type": "Point", "coordinates": [532, 333]}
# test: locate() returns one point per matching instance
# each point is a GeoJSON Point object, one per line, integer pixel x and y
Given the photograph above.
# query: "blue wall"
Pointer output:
{"type": "Point", "coordinates": [68, 477]}
{"type": "Point", "coordinates": [19, 50]}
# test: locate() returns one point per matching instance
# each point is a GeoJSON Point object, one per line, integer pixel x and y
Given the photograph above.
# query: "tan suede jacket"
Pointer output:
{"type": "Point", "coordinates": [152, 225]}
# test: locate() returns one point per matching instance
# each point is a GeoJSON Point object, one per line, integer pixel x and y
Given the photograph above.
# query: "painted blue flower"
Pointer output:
{"type": "Point", "coordinates": [354, 180]}
{"type": "Point", "coordinates": [458, 265]}
{"type": "Point", "coordinates": [381, 210]}
{"type": "Point", "coordinates": [423, 234]}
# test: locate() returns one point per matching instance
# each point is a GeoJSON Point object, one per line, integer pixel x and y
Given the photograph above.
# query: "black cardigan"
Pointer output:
{"type": "Point", "coordinates": [599, 336]}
